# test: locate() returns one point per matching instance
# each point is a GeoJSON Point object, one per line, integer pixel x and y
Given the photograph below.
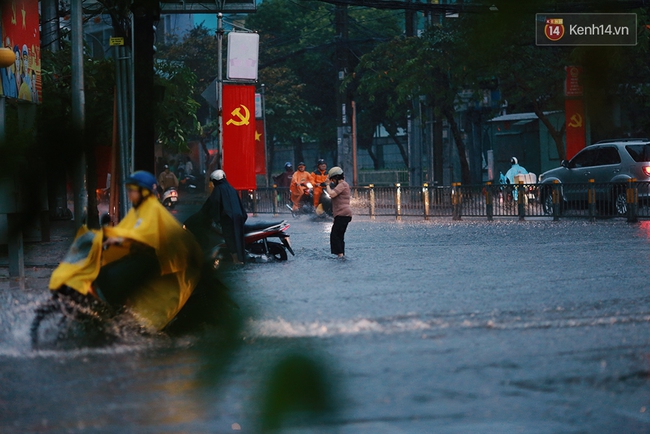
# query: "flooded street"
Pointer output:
{"type": "Point", "coordinates": [438, 326]}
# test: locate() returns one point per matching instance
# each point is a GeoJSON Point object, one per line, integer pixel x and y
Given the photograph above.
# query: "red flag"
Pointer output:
{"type": "Point", "coordinates": [239, 136]}
{"type": "Point", "coordinates": [575, 126]}
{"type": "Point", "coordinates": [260, 147]}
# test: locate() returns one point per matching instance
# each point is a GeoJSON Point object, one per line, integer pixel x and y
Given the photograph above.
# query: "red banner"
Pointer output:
{"type": "Point", "coordinates": [572, 85]}
{"type": "Point", "coordinates": [239, 135]}
{"type": "Point", "coordinates": [260, 147]}
{"type": "Point", "coordinates": [20, 33]}
{"type": "Point", "coordinates": [575, 126]}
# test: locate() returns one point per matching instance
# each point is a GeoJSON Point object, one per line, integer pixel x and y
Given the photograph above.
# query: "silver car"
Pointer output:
{"type": "Point", "coordinates": [611, 164]}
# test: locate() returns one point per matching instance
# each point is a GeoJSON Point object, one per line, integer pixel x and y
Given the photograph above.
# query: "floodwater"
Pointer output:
{"type": "Point", "coordinates": [438, 326]}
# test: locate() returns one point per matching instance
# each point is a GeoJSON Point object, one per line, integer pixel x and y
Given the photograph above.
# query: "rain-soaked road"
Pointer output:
{"type": "Point", "coordinates": [439, 326]}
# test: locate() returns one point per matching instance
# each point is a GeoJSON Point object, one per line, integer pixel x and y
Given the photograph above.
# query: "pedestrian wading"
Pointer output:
{"type": "Point", "coordinates": [339, 191]}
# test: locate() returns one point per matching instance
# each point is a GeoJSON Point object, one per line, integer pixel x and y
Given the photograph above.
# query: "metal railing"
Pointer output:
{"type": "Point", "coordinates": [554, 201]}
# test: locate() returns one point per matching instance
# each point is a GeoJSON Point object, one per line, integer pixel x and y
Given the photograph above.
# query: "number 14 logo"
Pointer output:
{"type": "Point", "coordinates": [554, 29]}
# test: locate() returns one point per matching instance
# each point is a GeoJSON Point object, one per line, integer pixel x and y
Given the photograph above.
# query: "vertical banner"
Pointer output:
{"type": "Point", "coordinates": [260, 148]}
{"type": "Point", "coordinates": [20, 33]}
{"type": "Point", "coordinates": [239, 135]}
{"type": "Point", "coordinates": [260, 136]}
{"type": "Point", "coordinates": [575, 126]}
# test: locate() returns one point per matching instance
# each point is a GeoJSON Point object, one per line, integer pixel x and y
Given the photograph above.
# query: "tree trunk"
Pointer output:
{"type": "Point", "coordinates": [402, 151]}
{"type": "Point", "coordinates": [462, 155]}
{"type": "Point", "coordinates": [555, 134]}
{"type": "Point", "coordinates": [297, 151]}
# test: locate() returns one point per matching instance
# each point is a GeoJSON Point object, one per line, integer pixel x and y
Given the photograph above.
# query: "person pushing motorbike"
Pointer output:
{"type": "Point", "coordinates": [225, 208]}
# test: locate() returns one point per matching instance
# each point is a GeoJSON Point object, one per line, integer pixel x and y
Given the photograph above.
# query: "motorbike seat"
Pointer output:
{"type": "Point", "coordinates": [259, 226]}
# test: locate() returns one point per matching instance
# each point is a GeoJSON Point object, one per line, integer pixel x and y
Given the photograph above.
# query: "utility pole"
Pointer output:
{"type": "Point", "coordinates": [415, 118]}
{"type": "Point", "coordinates": [220, 33]}
{"type": "Point", "coordinates": [146, 13]}
{"type": "Point", "coordinates": [78, 110]}
{"type": "Point", "coordinates": [343, 131]}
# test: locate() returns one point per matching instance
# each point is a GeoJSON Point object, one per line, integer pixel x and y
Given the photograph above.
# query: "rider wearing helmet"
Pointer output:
{"type": "Point", "coordinates": [167, 179]}
{"type": "Point", "coordinates": [225, 208]}
{"type": "Point", "coordinates": [152, 244]}
{"type": "Point", "coordinates": [318, 177]}
{"type": "Point", "coordinates": [283, 180]}
{"type": "Point", "coordinates": [341, 210]}
{"type": "Point", "coordinates": [515, 169]}
{"type": "Point", "coordinates": [298, 185]}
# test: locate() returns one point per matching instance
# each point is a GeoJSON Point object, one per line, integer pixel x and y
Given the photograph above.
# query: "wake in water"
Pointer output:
{"type": "Point", "coordinates": [281, 328]}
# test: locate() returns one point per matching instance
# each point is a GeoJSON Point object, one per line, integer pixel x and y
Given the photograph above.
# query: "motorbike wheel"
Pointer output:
{"type": "Point", "coordinates": [277, 251]}
{"type": "Point", "coordinates": [60, 323]}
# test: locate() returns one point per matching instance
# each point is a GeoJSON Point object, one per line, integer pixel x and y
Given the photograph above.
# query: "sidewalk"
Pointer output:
{"type": "Point", "coordinates": [40, 257]}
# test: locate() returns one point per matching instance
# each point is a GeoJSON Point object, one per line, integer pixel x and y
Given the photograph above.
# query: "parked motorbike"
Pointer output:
{"type": "Point", "coordinates": [257, 239]}
{"type": "Point", "coordinates": [307, 207]}
{"type": "Point", "coordinates": [170, 198]}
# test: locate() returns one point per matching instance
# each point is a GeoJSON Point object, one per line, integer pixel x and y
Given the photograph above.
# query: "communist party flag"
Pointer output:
{"type": "Point", "coordinates": [575, 126]}
{"type": "Point", "coordinates": [239, 135]}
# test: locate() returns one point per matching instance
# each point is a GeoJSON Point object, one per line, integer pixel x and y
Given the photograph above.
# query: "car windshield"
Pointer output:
{"type": "Point", "coordinates": [640, 153]}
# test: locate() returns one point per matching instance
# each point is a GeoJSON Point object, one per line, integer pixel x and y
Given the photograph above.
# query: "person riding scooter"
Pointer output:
{"type": "Point", "coordinates": [299, 187]}
{"type": "Point", "coordinates": [515, 169]}
{"type": "Point", "coordinates": [147, 262]}
{"type": "Point", "coordinates": [318, 177]}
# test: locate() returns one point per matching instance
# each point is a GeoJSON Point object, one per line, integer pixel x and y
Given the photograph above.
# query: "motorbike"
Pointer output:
{"type": "Point", "coordinates": [188, 183]}
{"type": "Point", "coordinates": [257, 239]}
{"type": "Point", "coordinates": [307, 207]}
{"type": "Point", "coordinates": [170, 198]}
{"type": "Point", "coordinates": [81, 314]}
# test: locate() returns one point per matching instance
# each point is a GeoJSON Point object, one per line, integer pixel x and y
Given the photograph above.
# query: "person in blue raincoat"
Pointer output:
{"type": "Point", "coordinates": [515, 169]}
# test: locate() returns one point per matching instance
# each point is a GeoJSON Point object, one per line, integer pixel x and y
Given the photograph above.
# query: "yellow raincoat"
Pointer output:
{"type": "Point", "coordinates": [157, 302]}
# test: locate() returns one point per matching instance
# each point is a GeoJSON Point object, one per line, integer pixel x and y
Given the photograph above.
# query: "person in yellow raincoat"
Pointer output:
{"type": "Point", "coordinates": [298, 186]}
{"type": "Point", "coordinates": [148, 262]}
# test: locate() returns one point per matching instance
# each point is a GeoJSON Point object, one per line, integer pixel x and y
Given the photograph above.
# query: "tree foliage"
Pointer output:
{"type": "Point", "coordinates": [298, 64]}
{"type": "Point", "coordinates": [461, 54]}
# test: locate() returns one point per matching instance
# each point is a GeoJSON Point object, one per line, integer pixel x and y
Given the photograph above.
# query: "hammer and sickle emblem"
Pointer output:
{"type": "Point", "coordinates": [243, 118]}
{"type": "Point", "coordinates": [576, 121]}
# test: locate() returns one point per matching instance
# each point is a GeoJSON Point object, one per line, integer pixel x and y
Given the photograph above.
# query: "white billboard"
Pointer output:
{"type": "Point", "coordinates": [243, 52]}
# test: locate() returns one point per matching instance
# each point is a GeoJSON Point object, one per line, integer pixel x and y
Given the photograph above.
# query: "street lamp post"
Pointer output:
{"type": "Point", "coordinates": [220, 33]}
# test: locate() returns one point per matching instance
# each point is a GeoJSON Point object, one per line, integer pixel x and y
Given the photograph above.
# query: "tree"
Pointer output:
{"type": "Point", "coordinates": [297, 64]}
{"type": "Point", "coordinates": [176, 121]}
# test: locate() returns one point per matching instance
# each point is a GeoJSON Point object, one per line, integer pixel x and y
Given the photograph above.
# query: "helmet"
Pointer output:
{"type": "Point", "coordinates": [217, 175]}
{"type": "Point", "coordinates": [287, 165]}
{"type": "Point", "coordinates": [514, 160]}
{"type": "Point", "coordinates": [142, 179]}
{"type": "Point", "coordinates": [320, 161]}
{"type": "Point", "coordinates": [335, 171]}
{"type": "Point", "coordinates": [302, 163]}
